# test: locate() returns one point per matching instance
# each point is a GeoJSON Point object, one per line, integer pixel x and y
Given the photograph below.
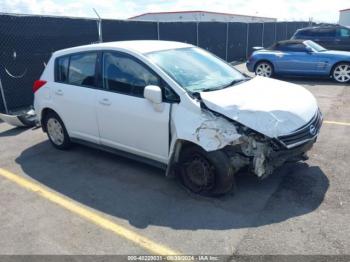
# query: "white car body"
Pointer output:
{"type": "Point", "coordinates": [155, 131]}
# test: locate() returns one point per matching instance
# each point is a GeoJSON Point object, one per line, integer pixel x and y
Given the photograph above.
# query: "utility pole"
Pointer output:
{"type": "Point", "coordinates": [99, 26]}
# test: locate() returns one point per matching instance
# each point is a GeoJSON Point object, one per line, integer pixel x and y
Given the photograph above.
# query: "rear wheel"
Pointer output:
{"type": "Point", "coordinates": [56, 131]}
{"type": "Point", "coordinates": [206, 173]}
{"type": "Point", "coordinates": [341, 73]}
{"type": "Point", "coordinates": [264, 69]}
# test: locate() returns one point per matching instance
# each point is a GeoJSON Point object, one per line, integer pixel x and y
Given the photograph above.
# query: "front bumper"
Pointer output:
{"type": "Point", "coordinates": [264, 164]}
{"type": "Point", "coordinates": [262, 158]}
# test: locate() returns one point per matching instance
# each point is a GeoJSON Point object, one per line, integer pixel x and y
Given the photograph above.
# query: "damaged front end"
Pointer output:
{"type": "Point", "coordinates": [263, 157]}
{"type": "Point", "coordinates": [248, 148]}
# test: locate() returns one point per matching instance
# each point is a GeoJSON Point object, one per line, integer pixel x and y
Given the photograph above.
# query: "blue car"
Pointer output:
{"type": "Point", "coordinates": [300, 58]}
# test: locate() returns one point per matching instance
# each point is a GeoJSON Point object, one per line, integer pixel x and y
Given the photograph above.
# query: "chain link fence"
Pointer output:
{"type": "Point", "coordinates": [27, 43]}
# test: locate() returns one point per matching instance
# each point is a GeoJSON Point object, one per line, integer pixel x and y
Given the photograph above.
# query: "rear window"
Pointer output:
{"type": "Point", "coordinates": [62, 69]}
{"type": "Point", "coordinates": [303, 33]}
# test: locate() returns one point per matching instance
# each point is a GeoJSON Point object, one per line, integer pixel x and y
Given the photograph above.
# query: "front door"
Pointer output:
{"type": "Point", "coordinates": [295, 60]}
{"type": "Point", "coordinates": [128, 121]}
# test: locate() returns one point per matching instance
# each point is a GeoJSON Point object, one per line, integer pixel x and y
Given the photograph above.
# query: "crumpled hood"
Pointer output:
{"type": "Point", "coordinates": [271, 107]}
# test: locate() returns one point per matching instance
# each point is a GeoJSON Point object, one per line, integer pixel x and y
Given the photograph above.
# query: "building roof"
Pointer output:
{"type": "Point", "coordinates": [139, 46]}
{"type": "Point", "coordinates": [347, 9]}
{"type": "Point", "coordinates": [196, 11]}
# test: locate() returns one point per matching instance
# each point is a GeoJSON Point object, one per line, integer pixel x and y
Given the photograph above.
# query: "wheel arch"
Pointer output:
{"type": "Point", "coordinates": [175, 154]}
{"type": "Point", "coordinates": [44, 112]}
{"type": "Point", "coordinates": [179, 146]}
{"type": "Point", "coordinates": [219, 159]}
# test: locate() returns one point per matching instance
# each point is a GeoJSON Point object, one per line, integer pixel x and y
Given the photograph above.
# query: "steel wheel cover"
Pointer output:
{"type": "Point", "coordinates": [200, 173]}
{"type": "Point", "coordinates": [55, 131]}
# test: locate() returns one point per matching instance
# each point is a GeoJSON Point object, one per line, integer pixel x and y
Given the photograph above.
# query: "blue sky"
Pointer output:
{"type": "Point", "coordinates": [320, 10]}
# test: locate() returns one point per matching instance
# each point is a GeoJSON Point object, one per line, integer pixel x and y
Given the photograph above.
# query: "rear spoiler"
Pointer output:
{"type": "Point", "coordinates": [256, 48]}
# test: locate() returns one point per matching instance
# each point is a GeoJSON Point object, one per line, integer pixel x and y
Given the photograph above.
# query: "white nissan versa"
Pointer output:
{"type": "Point", "coordinates": [176, 106]}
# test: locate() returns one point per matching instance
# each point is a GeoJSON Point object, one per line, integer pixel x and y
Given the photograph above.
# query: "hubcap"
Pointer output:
{"type": "Point", "coordinates": [55, 131]}
{"type": "Point", "coordinates": [263, 69]}
{"type": "Point", "coordinates": [342, 73]}
{"type": "Point", "coordinates": [200, 173]}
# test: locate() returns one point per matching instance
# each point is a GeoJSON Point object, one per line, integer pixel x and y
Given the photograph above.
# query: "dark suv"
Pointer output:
{"type": "Point", "coordinates": [333, 37]}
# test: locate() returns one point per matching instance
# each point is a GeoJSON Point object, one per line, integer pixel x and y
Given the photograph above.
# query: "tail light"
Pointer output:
{"type": "Point", "coordinates": [38, 84]}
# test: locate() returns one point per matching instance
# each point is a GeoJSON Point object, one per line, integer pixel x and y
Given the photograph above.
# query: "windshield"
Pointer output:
{"type": "Point", "coordinates": [195, 69]}
{"type": "Point", "coordinates": [314, 46]}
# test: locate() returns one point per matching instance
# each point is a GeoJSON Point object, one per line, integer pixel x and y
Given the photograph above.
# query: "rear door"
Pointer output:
{"type": "Point", "coordinates": [128, 121]}
{"type": "Point", "coordinates": [73, 94]}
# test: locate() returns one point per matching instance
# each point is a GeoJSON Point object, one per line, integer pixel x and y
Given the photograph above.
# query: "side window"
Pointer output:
{"type": "Point", "coordinates": [297, 47]}
{"type": "Point", "coordinates": [304, 33]}
{"type": "Point", "coordinates": [125, 75]}
{"type": "Point", "coordinates": [292, 47]}
{"type": "Point", "coordinates": [62, 69]}
{"type": "Point", "coordinates": [343, 32]}
{"type": "Point", "coordinates": [325, 32]}
{"type": "Point", "coordinates": [168, 94]}
{"type": "Point", "coordinates": [307, 33]}
{"type": "Point", "coordinates": [82, 69]}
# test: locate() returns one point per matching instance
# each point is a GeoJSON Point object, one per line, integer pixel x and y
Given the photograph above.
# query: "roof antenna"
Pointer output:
{"type": "Point", "coordinates": [99, 26]}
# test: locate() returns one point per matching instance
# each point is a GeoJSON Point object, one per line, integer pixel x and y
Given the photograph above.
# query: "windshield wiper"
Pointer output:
{"type": "Point", "coordinates": [234, 82]}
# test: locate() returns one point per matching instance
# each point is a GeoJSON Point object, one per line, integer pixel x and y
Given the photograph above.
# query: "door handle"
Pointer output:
{"type": "Point", "coordinates": [59, 92]}
{"type": "Point", "coordinates": [105, 101]}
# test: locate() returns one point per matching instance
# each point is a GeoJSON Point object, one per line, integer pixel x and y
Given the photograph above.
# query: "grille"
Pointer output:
{"type": "Point", "coordinates": [304, 133]}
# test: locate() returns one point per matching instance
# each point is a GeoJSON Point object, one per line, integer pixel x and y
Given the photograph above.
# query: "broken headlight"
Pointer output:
{"type": "Point", "coordinates": [252, 133]}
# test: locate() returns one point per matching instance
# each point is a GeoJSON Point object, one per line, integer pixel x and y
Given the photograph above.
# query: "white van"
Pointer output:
{"type": "Point", "coordinates": [175, 106]}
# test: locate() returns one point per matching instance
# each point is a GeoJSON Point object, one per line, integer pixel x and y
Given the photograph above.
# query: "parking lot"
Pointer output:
{"type": "Point", "coordinates": [85, 201]}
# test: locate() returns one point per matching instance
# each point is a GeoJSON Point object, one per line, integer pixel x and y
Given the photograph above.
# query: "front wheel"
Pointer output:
{"type": "Point", "coordinates": [264, 69]}
{"type": "Point", "coordinates": [206, 173]}
{"type": "Point", "coordinates": [341, 73]}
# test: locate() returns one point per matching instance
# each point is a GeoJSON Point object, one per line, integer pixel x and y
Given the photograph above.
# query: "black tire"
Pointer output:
{"type": "Point", "coordinates": [66, 142]}
{"type": "Point", "coordinates": [266, 65]}
{"type": "Point", "coordinates": [336, 75]}
{"type": "Point", "coordinates": [206, 173]}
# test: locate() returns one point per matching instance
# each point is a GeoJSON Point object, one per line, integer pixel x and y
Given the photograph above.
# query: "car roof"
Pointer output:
{"type": "Point", "coordinates": [139, 46]}
{"type": "Point", "coordinates": [319, 27]}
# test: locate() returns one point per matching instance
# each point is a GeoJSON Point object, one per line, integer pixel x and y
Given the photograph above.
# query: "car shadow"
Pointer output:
{"type": "Point", "coordinates": [13, 131]}
{"type": "Point", "coordinates": [141, 194]}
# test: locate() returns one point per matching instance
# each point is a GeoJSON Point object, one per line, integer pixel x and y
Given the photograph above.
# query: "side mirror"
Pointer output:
{"type": "Point", "coordinates": [154, 95]}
